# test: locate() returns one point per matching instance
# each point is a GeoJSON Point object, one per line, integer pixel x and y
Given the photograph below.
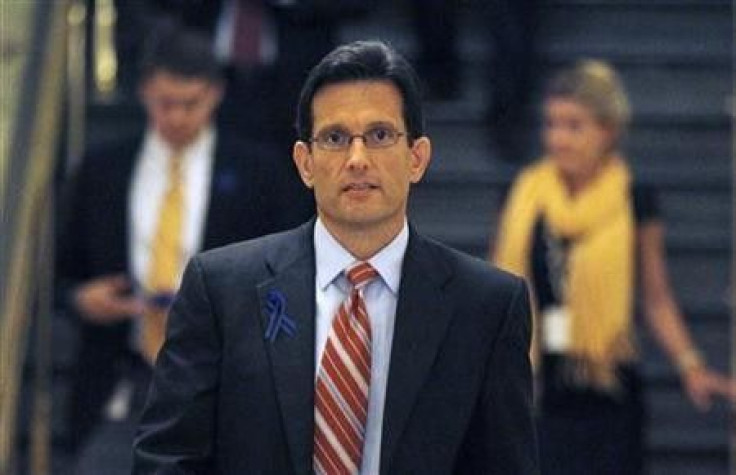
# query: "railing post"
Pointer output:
{"type": "Point", "coordinates": [76, 81]}
{"type": "Point", "coordinates": [105, 57]}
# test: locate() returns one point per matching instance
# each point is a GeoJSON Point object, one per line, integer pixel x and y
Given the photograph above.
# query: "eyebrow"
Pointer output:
{"type": "Point", "coordinates": [370, 125]}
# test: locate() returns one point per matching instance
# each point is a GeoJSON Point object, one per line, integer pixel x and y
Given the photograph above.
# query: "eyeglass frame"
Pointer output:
{"type": "Point", "coordinates": [351, 137]}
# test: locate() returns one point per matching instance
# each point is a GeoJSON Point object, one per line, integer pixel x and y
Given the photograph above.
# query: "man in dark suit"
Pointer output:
{"type": "Point", "coordinates": [110, 219]}
{"type": "Point", "coordinates": [351, 344]}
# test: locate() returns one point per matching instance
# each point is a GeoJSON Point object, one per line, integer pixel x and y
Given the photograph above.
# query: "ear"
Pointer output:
{"type": "Point", "coordinates": [303, 160]}
{"type": "Point", "coordinates": [218, 91]}
{"type": "Point", "coordinates": [421, 152]}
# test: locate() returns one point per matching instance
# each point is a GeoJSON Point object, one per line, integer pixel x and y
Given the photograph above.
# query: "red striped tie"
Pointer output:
{"type": "Point", "coordinates": [343, 382]}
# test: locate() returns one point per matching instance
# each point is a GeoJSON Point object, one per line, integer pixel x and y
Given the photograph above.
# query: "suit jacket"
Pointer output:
{"type": "Point", "coordinates": [226, 400]}
{"type": "Point", "coordinates": [248, 196]}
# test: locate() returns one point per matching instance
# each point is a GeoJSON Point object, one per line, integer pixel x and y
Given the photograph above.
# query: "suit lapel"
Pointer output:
{"type": "Point", "coordinates": [292, 356]}
{"type": "Point", "coordinates": [422, 317]}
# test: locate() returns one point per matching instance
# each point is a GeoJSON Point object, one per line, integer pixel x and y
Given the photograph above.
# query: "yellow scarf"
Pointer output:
{"type": "Point", "coordinates": [598, 287]}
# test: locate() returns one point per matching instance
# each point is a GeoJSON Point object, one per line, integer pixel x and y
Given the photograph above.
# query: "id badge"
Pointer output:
{"type": "Point", "coordinates": [556, 329]}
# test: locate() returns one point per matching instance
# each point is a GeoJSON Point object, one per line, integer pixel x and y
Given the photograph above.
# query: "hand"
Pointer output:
{"type": "Point", "coordinates": [105, 300]}
{"type": "Point", "coordinates": [702, 384]}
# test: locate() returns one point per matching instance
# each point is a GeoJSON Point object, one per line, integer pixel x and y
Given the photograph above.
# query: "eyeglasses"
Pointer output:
{"type": "Point", "coordinates": [339, 140]}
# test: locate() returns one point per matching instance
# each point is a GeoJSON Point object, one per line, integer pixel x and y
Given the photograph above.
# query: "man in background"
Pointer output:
{"type": "Point", "coordinates": [139, 207]}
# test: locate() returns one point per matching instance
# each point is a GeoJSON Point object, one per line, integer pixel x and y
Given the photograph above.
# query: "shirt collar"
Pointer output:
{"type": "Point", "coordinates": [156, 146]}
{"type": "Point", "coordinates": [332, 259]}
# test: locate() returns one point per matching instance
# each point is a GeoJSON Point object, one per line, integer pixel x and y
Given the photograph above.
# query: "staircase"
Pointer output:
{"type": "Point", "coordinates": [675, 59]}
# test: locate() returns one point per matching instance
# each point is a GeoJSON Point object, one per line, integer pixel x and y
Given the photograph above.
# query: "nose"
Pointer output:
{"type": "Point", "coordinates": [556, 137]}
{"type": "Point", "coordinates": [357, 154]}
{"type": "Point", "coordinates": [177, 116]}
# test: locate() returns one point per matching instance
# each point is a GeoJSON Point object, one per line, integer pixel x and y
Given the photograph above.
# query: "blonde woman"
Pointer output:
{"type": "Point", "coordinates": [584, 232]}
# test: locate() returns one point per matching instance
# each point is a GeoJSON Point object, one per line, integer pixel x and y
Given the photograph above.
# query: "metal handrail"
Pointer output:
{"type": "Point", "coordinates": [76, 84]}
{"type": "Point", "coordinates": [26, 275]}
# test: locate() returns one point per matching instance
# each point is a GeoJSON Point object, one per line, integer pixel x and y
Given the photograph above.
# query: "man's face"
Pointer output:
{"type": "Point", "coordinates": [179, 107]}
{"type": "Point", "coordinates": [359, 187]}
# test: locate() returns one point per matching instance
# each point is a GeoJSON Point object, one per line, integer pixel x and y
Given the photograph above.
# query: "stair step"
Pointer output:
{"type": "Point", "coordinates": [664, 156]}
{"type": "Point", "coordinates": [675, 462]}
{"type": "Point", "coordinates": [679, 92]}
{"type": "Point", "coordinates": [675, 423]}
{"type": "Point", "coordinates": [683, 147]}
{"type": "Point", "coordinates": [710, 333]}
{"type": "Point", "coordinates": [638, 32]}
{"type": "Point", "coordinates": [658, 34]}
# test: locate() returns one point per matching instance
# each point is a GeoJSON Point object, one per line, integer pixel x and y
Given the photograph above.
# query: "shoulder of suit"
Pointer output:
{"type": "Point", "coordinates": [106, 154]}
{"type": "Point", "coordinates": [465, 267]}
{"type": "Point", "coordinates": [257, 250]}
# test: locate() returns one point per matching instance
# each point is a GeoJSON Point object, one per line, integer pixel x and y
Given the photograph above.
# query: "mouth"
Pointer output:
{"type": "Point", "coordinates": [359, 187]}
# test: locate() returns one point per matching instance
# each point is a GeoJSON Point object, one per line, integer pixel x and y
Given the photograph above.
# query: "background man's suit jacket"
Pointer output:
{"type": "Point", "coordinates": [225, 400]}
{"type": "Point", "coordinates": [250, 189]}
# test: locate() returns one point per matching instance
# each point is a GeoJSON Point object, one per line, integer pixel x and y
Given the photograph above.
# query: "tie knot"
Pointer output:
{"type": "Point", "coordinates": [360, 273]}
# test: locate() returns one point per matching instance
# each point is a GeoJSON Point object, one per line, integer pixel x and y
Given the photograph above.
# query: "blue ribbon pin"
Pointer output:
{"type": "Point", "coordinates": [277, 318]}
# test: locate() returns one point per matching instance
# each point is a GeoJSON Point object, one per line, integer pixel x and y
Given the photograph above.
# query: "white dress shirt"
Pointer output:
{"type": "Point", "coordinates": [150, 181]}
{"type": "Point", "coordinates": [380, 295]}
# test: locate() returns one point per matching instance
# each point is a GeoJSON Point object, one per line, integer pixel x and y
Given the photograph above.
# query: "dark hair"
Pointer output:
{"type": "Point", "coordinates": [361, 61]}
{"type": "Point", "coordinates": [180, 52]}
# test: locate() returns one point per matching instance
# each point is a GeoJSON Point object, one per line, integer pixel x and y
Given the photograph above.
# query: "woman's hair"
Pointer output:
{"type": "Point", "coordinates": [596, 85]}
